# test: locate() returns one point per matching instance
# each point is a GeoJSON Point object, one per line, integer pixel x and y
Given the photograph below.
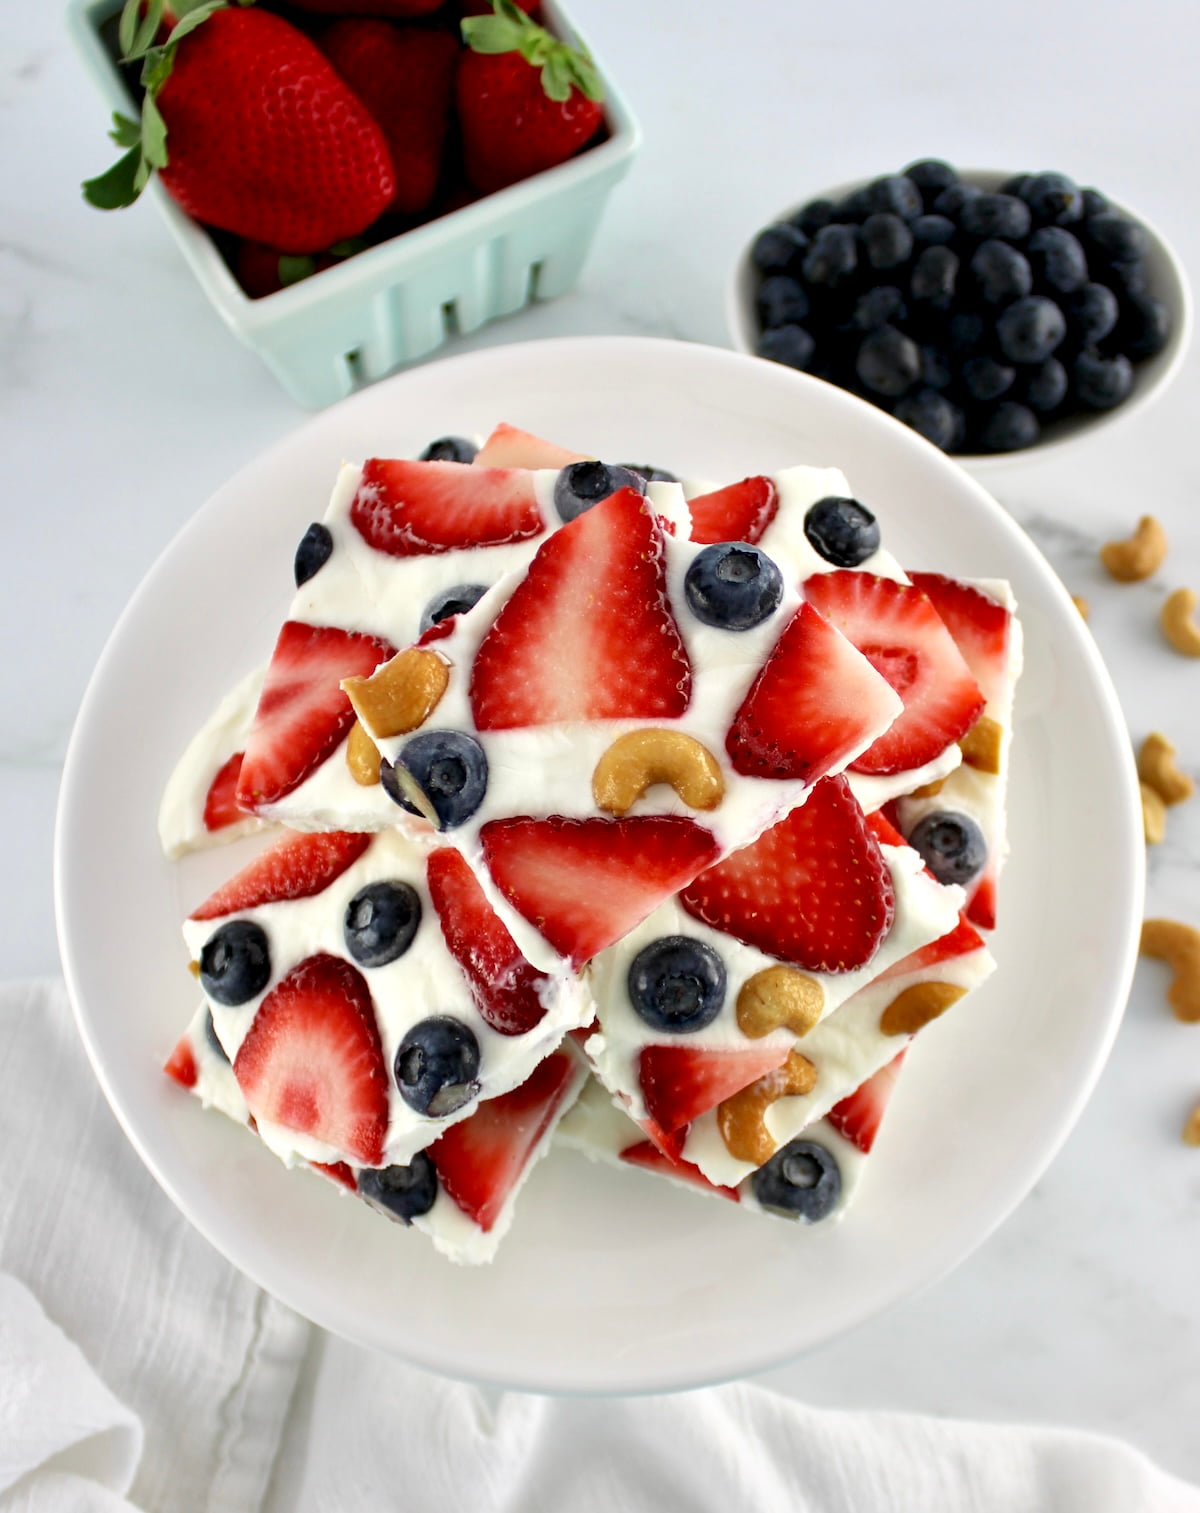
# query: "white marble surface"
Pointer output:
{"type": "Point", "coordinates": [123, 403]}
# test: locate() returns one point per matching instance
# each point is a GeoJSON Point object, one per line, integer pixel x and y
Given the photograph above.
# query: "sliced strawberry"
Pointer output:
{"type": "Point", "coordinates": [740, 512]}
{"type": "Point", "coordinates": [505, 987]}
{"type": "Point", "coordinates": [509, 447]}
{"type": "Point", "coordinates": [480, 1160]}
{"type": "Point", "coordinates": [588, 634]}
{"type": "Point", "coordinates": [669, 1142]}
{"type": "Point", "coordinates": [336, 1171]}
{"type": "Point", "coordinates": [813, 703]}
{"type": "Point", "coordinates": [981, 908]}
{"type": "Point", "coordinates": [882, 826]}
{"type": "Point", "coordinates": [982, 629]}
{"type": "Point", "coordinates": [296, 866]}
{"type": "Point", "coordinates": [181, 1064]}
{"type": "Point", "coordinates": [960, 941]}
{"type": "Point", "coordinates": [221, 807]}
{"type": "Point", "coordinates": [901, 634]}
{"type": "Point", "coordinates": [647, 1155]}
{"type": "Point", "coordinates": [813, 890]}
{"type": "Point", "coordinates": [679, 1082]}
{"type": "Point", "coordinates": [303, 715]}
{"type": "Point", "coordinates": [422, 509]}
{"type": "Point", "coordinates": [586, 883]}
{"type": "Point", "coordinates": [312, 1059]}
{"type": "Point", "coordinates": [857, 1116]}
{"type": "Point", "coordinates": [581, 1034]}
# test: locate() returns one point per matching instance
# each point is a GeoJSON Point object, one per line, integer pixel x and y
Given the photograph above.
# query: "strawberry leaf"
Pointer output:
{"type": "Point", "coordinates": [117, 187]}
{"type": "Point", "coordinates": [137, 31]}
{"type": "Point", "coordinates": [492, 34]}
{"type": "Point", "coordinates": [194, 17]}
{"type": "Point", "coordinates": [556, 77]}
{"type": "Point", "coordinates": [154, 134]}
{"type": "Point", "coordinates": [293, 269]}
{"type": "Point", "coordinates": [125, 133]}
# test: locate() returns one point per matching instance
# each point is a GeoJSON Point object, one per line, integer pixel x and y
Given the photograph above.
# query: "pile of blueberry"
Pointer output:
{"type": "Point", "coordinates": [975, 318]}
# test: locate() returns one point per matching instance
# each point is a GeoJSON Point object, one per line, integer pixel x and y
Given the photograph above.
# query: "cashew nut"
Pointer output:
{"type": "Point", "coordinates": [362, 756]}
{"type": "Point", "coordinates": [641, 758]}
{"type": "Point", "coordinates": [982, 744]}
{"type": "Point", "coordinates": [1143, 554]}
{"type": "Point", "coordinates": [1178, 945]}
{"type": "Point", "coordinates": [779, 998]}
{"type": "Point", "coordinates": [1081, 605]}
{"type": "Point", "coordinates": [917, 1005]}
{"type": "Point", "coordinates": [1154, 816]}
{"type": "Point", "coordinates": [401, 694]}
{"type": "Point", "coordinates": [1191, 1130]}
{"type": "Point", "coordinates": [740, 1118]}
{"type": "Point", "coordinates": [1156, 766]}
{"type": "Point", "coordinates": [1180, 629]}
{"type": "Point", "coordinates": [928, 790]}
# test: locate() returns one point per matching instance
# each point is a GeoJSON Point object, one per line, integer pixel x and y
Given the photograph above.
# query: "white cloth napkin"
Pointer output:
{"type": "Point", "coordinates": [157, 1379]}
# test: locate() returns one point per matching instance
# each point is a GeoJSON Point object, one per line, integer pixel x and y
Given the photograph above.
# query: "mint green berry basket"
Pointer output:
{"type": "Point", "coordinates": [401, 300]}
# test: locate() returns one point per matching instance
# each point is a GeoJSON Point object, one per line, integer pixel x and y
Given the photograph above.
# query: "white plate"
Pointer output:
{"type": "Point", "coordinates": [610, 1281]}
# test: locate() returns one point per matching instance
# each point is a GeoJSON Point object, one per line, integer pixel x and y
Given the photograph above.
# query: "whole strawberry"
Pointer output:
{"type": "Point", "coordinates": [526, 101]}
{"type": "Point", "coordinates": [250, 128]}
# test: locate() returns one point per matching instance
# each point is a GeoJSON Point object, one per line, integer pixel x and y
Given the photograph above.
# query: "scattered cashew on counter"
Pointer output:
{"type": "Point", "coordinates": [1178, 625]}
{"type": "Point", "coordinates": [1138, 557]}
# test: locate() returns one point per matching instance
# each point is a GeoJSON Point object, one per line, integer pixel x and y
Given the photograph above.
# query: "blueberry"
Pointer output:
{"type": "Point", "coordinates": [936, 371]}
{"type": "Point", "coordinates": [782, 301]}
{"type": "Point", "coordinates": [888, 361]}
{"type": "Point", "coordinates": [235, 962]}
{"type": "Point", "coordinates": [1043, 389]}
{"type": "Point", "coordinates": [880, 306]}
{"type": "Point", "coordinates": [1015, 184]}
{"type": "Point", "coordinates": [931, 176]}
{"type": "Point", "coordinates": [791, 345]}
{"type": "Point", "coordinates": [887, 240]}
{"type": "Point", "coordinates": [986, 379]}
{"type": "Point", "coordinates": [893, 194]}
{"type": "Point", "coordinates": [1007, 428]}
{"type": "Point", "coordinates": [951, 845]}
{"type": "Point", "coordinates": [677, 984]}
{"type": "Point", "coordinates": [380, 923]}
{"type": "Point", "coordinates": [1029, 329]}
{"type": "Point", "coordinates": [966, 332]}
{"type": "Point", "coordinates": [651, 475]}
{"type": "Point", "coordinates": [855, 207]}
{"type": "Point", "coordinates": [1057, 259]}
{"type": "Point", "coordinates": [210, 1035]}
{"type": "Point", "coordinates": [833, 255]}
{"type": "Point", "coordinates": [1124, 277]}
{"type": "Point", "coordinates": [811, 217]}
{"type": "Point", "coordinates": [932, 231]}
{"type": "Point", "coordinates": [933, 276]}
{"type": "Point", "coordinates": [449, 449]}
{"type": "Point", "coordinates": [1091, 313]}
{"type": "Point", "coordinates": [800, 1181]}
{"type": "Point", "coordinates": [451, 771]}
{"type": "Point", "coordinates": [583, 484]}
{"type": "Point", "coordinates": [1115, 238]}
{"type": "Point", "coordinates": [401, 1192]}
{"type": "Point", "coordinates": [778, 248]}
{"type": "Point", "coordinates": [951, 200]}
{"type": "Point", "coordinates": [451, 601]}
{"type": "Point", "coordinates": [1144, 327]}
{"type": "Point", "coordinates": [1001, 273]}
{"type": "Point", "coordinates": [733, 586]}
{"type": "Point", "coordinates": [1053, 199]}
{"type": "Point", "coordinates": [842, 531]}
{"type": "Point", "coordinates": [1099, 382]}
{"type": "Point", "coordinates": [437, 1066]}
{"type": "Point", "coordinates": [1094, 203]}
{"type": "Point", "coordinates": [931, 415]}
{"type": "Point", "coordinates": [314, 551]}
{"type": "Point", "coordinates": [1002, 215]}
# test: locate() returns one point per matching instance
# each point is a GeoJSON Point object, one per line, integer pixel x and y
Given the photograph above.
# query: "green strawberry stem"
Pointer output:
{"type": "Point", "coordinates": [510, 30]}
{"type": "Point", "coordinates": [146, 140]}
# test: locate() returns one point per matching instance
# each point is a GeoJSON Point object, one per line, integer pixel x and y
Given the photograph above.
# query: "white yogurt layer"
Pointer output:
{"type": "Point", "coordinates": [424, 981]}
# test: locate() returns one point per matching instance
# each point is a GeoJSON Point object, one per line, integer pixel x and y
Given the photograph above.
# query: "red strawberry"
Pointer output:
{"type": "Point", "coordinates": [312, 1059]}
{"type": "Point", "coordinates": [251, 130]}
{"type": "Point", "coordinates": [484, 7]}
{"type": "Point", "coordinates": [813, 703]}
{"type": "Point", "coordinates": [813, 890]}
{"type": "Point", "coordinates": [858, 1115]}
{"type": "Point", "coordinates": [405, 78]}
{"type": "Point", "coordinates": [526, 101]}
{"type": "Point", "coordinates": [263, 270]}
{"type": "Point", "coordinates": [296, 866]}
{"type": "Point", "coordinates": [588, 634]}
{"type": "Point", "coordinates": [900, 633]}
{"type": "Point", "coordinates": [982, 628]}
{"type": "Point", "coordinates": [480, 1160]}
{"type": "Point", "coordinates": [402, 10]}
{"type": "Point", "coordinates": [421, 509]}
{"type": "Point", "coordinates": [740, 512]}
{"type": "Point", "coordinates": [586, 883]}
{"type": "Point", "coordinates": [679, 1083]}
{"type": "Point", "coordinates": [221, 807]}
{"type": "Point", "coordinates": [181, 1064]}
{"type": "Point", "coordinates": [960, 941]}
{"type": "Point", "coordinates": [981, 908]}
{"type": "Point", "coordinates": [336, 1171]}
{"type": "Point", "coordinates": [647, 1155]}
{"type": "Point", "coordinates": [303, 715]}
{"type": "Point", "coordinates": [508, 447]}
{"type": "Point", "coordinates": [504, 985]}
{"type": "Point", "coordinates": [882, 826]}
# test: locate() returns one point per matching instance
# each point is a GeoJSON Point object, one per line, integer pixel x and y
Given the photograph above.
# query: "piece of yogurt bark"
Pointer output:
{"type": "Point", "coordinates": [368, 997]}
{"type": "Point", "coordinates": [601, 728]}
{"type": "Point", "coordinates": [462, 1190]}
{"type": "Point", "coordinates": [724, 982]}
